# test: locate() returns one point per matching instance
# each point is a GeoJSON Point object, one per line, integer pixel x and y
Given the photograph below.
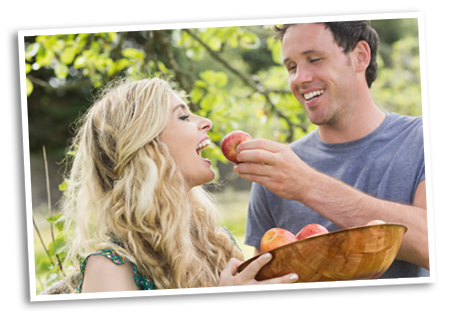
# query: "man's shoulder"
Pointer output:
{"type": "Point", "coordinates": [309, 139]}
{"type": "Point", "coordinates": [401, 121]}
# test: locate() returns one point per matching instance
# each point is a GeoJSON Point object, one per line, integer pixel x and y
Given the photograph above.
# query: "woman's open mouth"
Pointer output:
{"type": "Point", "coordinates": [202, 145]}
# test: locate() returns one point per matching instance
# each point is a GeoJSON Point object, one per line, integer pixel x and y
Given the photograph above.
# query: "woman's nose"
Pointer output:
{"type": "Point", "coordinates": [205, 124]}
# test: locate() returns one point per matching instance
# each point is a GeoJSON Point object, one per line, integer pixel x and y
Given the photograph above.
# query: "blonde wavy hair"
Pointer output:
{"type": "Point", "coordinates": [126, 193]}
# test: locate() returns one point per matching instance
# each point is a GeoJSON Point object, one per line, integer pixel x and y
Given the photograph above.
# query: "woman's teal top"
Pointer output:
{"type": "Point", "coordinates": [142, 282]}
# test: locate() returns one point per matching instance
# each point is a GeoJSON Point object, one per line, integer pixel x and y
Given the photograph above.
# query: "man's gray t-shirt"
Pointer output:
{"type": "Point", "coordinates": [387, 164]}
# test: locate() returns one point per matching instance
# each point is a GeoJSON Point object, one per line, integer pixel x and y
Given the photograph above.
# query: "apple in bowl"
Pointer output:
{"type": "Point", "coordinates": [275, 238]}
{"type": "Point", "coordinates": [311, 230]}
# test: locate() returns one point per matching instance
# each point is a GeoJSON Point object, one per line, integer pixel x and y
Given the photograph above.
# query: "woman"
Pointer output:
{"type": "Point", "coordinates": [135, 197]}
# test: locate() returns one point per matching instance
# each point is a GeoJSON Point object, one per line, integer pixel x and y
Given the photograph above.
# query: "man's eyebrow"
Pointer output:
{"type": "Point", "coordinates": [309, 52]}
{"type": "Point", "coordinates": [184, 106]}
{"type": "Point", "coordinates": [306, 52]}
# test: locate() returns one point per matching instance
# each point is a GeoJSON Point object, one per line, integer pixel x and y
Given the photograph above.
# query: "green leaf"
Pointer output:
{"type": "Point", "coordinates": [58, 246]}
{"type": "Point", "coordinates": [250, 40]}
{"type": "Point", "coordinates": [196, 94]}
{"type": "Point", "coordinates": [32, 50]}
{"type": "Point", "coordinates": [61, 70]}
{"type": "Point", "coordinates": [162, 67]}
{"type": "Point", "coordinates": [57, 221]}
{"type": "Point", "coordinates": [132, 53]}
{"type": "Point", "coordinates": [27, 68]}
{"type": "Point", "coordinates": [121, 64]}
{"type": "Point", "coordinates": [112, 36]}
{"type": "Point", "coordinates": [44, 57]}
{"type": "Point", "coordinates": [63, 186]}
{"type": "Point", "coordinates": [95, 47]}
{"type": "Point", "coordinates": [219, 79]}
{"type": "Point", "coordinates": [29, 86]}
{"type": "Point", "coordinates": [208, 102]}
{"type": "Point", "coordinates": [68, 55]}
{"type": "Point", "coordinates": [276, 53]}
{"type": "Point", "coordinates": [80, 62]}
{"type": "Point", "coordinates": [276, 49]}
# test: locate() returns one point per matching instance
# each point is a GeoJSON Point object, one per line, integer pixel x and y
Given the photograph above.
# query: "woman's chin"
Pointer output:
{"type": "Point", "coordinates": [210, 177]}
{"type": "Point", "coordinates": [203, 179]}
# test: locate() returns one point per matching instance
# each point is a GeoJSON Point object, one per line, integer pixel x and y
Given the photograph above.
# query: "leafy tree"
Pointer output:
{"type": "Point", "coordinates": [398, 87]}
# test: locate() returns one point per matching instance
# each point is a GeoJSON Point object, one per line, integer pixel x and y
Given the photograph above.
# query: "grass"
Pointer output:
{"type": "Point", "coordinates": [232, 205]}
{"type": "Point", "coordinates": [42, 262]}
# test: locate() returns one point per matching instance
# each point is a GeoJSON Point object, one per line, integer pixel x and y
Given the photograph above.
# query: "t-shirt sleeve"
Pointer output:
{"type": "Point", "coordinates": [419, 142]}
{"type": "Point", "coordinates": [259, 217]}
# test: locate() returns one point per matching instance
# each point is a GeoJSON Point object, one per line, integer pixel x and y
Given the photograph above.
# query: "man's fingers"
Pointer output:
{"type": "Point", "coordinates": [262, 144]}
{"type": "Point", "coordinates": [253, 168]}
{"type": "Point", "coordinates": [257, 156]}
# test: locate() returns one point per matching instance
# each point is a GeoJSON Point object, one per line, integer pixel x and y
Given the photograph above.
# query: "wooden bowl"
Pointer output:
{"type": "Point", "coordinates": [349, 254]}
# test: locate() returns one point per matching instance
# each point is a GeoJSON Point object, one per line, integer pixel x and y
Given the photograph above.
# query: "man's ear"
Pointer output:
{"type": "Point", "coordinates": [362, 56]}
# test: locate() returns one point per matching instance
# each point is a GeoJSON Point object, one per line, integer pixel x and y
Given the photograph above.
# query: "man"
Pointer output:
{"type": "Point", "coordinates": [361, 164]}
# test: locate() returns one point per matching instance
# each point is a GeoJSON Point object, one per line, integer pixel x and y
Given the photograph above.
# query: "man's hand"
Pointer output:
{"type": "Point", "coordinates": [274, 166]}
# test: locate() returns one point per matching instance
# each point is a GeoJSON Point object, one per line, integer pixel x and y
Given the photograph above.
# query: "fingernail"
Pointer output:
{"type": "Point", "coordinates": [293, 277]}
{"type": "Point", "coordinates": [267, 256]}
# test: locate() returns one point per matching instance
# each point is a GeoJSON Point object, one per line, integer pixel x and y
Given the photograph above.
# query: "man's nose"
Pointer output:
{"type": "Point", "coordinates": [302, 76]}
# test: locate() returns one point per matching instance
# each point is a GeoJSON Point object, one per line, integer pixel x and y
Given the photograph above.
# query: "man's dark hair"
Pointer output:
{"type": "Point", "coordinates": [347, 34]}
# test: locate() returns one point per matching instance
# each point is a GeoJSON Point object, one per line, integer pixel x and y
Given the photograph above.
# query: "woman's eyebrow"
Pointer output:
{"type": "Point", "coordinates": [182, 106]}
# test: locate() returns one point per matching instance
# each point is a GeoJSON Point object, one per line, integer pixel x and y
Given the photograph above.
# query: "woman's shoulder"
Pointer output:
{"type": "Point", "coordinates": [106, 270]}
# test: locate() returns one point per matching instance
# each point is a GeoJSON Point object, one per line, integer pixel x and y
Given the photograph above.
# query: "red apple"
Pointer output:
{"type": "Point", "coordinates": [311, 230]}
{"type": "Point", "coordinates": [276, 237]}
{"type": "Point", "coordinates": [375, 222]}
{"type": "Point", "coordinates": [230, 142]}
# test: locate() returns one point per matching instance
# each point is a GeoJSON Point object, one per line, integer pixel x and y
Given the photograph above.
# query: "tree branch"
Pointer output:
{"type": "Point", "coordinates": [42, 241]}
{"type": "Point", "coordinates": [150, 55]}
{"type": "Point", "coordinates": [246, 79]}
{"type": "Point", "coordinates": [117, 50]}
{"type": "Point", "coordinates": [73, 85]}
{"type": "Point", "coordinates": [250, 82]}
{"type": "Point", "coordinates": [180, 74]}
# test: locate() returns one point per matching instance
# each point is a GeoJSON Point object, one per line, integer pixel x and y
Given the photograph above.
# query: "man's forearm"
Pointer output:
{"type": "Point", "coordinates": [348, 207]}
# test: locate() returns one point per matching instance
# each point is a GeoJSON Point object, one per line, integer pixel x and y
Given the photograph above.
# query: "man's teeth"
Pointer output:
{"type": "Point", "coordinates": [202, 145]}
{"type": "Point", "coordinates": [313, 94]}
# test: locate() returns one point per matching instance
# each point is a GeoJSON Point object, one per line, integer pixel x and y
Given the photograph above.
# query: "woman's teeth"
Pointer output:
{"type": "Point", "coordinates": [202, 145]}
{"type": "Point", "coordinates": [313, 94]}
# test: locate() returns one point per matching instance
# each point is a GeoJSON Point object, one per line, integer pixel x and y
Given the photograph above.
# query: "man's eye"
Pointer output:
{"type": "Point", "coordinates": [292, 67]}
{"type": "Point", "coordinates": [184, 117]}
{"type": "Point", "coordinates": [315, 60]}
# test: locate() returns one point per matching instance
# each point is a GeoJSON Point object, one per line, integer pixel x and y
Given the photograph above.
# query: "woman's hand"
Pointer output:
{"type": "Point", "coordinates": [229, 276]}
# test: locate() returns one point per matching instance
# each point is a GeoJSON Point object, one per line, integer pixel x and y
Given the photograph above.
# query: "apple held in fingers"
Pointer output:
{"type": "Point", "coordinates": [231, 141]}
{"type": "Point", "coordinates": [311, 230]}
{"type": "Point", "coordinates": [276, 237]}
